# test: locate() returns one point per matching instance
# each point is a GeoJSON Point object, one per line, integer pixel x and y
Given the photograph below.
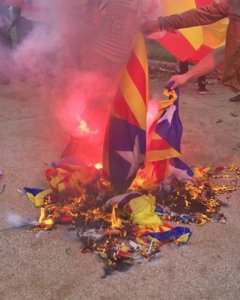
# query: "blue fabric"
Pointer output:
{"type": "Point", "coordinates": [122, 139]}
{"type": "Point", "coordinates": [170, 235]}
{"type": "Point", "coordinates": [179, 164]}
{"type": "Point", "coordinates": [33, 191]}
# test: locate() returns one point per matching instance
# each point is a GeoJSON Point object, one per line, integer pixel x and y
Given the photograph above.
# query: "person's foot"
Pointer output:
{"type": "Point", "coordinates": [202, 90]}
{"type": "Point", "coordinates": [235, 98]}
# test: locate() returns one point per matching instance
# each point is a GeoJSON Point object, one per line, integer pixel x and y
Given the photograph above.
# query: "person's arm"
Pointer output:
{"type": "Point", "coordinates": [205, 66]}
{"type": "Point", "coordinates": [193, 17]}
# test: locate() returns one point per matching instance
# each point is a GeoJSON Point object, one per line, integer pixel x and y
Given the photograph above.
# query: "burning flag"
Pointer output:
{"type": "Point", "coordinates": [36, 196]}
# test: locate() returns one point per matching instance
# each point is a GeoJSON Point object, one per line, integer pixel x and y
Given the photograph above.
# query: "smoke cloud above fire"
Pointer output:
{"type": "Point", "coordinates": [82, 47]}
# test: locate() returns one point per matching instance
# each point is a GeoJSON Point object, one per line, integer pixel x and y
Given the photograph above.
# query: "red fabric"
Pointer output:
{"type": "Point", "coordinates": [200, 3]}
{"type": "Point", "coordinates": [178, 45]}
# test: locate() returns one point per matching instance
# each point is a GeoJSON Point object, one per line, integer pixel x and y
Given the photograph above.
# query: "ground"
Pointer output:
{"type": "Point", "coordinates": [50, 266]}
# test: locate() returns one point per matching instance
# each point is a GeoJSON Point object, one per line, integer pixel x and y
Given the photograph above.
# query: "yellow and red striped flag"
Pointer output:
{"type": "Point", "coordinates": [125, 141]}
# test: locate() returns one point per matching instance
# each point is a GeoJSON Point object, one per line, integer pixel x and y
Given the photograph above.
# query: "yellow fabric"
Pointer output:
{"type": "Point", "coordinates": [71, 179]}
{"type": "Point", "coordinates": [134, 99]}
{"type": "Point", "coordinates": [130, 91]}
{"type": "Point", "coordinates": [163, 104]}
{"type": "Point", "coordinates": [143, 211]}
{"type": "Point", "coordinates": [215, 34]}
{"type": "Point", "coordinates": [38, 200]}
{"type": "Point", "coordinates": [195, 34]}
{"type": "Point", "coordinates": [162, 154]}
{"type": "Point", "coordinates": [183, 239]}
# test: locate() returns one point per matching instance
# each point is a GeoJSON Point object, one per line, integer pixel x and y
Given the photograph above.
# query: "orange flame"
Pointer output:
{"type": "Point", "coordinates": [116, 222]}
{"type": "Point", "coordinates": [42, 215]}
{"type": "Point", "coordinates": [42, 220]}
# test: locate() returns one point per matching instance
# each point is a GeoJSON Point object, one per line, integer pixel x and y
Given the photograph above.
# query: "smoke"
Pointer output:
{"type": "Point", "coordinates": [15, 220]}
{"type": "Point", "coordinates": [81, 46]}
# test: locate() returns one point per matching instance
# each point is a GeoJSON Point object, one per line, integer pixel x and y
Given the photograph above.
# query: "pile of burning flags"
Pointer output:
{"type": "Point", "coordinates": [120, 210]}
{"type": "Point", "coordinates": [130, 227]}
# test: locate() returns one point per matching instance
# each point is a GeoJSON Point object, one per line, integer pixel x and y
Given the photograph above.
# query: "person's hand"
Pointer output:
{"type": "Point", "coordinates": [150, 26]}
{"type": "Point", "coordinates": [179, 80]}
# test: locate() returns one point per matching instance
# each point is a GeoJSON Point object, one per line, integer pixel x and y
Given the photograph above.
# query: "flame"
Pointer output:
{"type": "Point", "coordinates": [48, 222]}
{"type": "Point", "coordinates": [42, 215]}
{"type": "Point", "coordinates": [42, 220]}
{"type": "Point", "coordinates": [83, 127]}
{"type": "Point", "coordinates": [98, 166]}
{"type": "Point", "coordinates": [116, 222]}
{"type": "Point", "coordinates": [187, 204]}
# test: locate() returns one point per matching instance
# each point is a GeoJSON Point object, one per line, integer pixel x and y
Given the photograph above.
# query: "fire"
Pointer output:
{"type": "Point", "coordinates": [42, 221]}
{"type": "Point", "coordinates": [83, 127]}
{"type": "Point", "coordinates": [98, 166]}
{"type": "Point", "coordinates": [187, 204]}
{"type": "Point", "coordinates": [116, 222]}
{"type": "Point", "coordinates": [48, 222]}
{"type": "Point", "coordinates": [42, 215]}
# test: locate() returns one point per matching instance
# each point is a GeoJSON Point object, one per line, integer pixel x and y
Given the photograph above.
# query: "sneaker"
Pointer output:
{"type": "Point", "coordinates": [202, 90]}
{"type": "Point", "coordinates": [235, 98]}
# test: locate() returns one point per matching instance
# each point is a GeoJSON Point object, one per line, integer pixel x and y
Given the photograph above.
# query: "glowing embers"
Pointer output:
{"type": "Point", "coordinates": [195, 202]}
{"type": "Point", "coordinates": [65, 208]}
{"type": "Point", "coordinates": [116, 234]}
{"type": "Point", "coordinates": [75, 211]}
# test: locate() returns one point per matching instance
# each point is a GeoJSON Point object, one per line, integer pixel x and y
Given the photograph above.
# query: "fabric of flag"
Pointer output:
{"type": "Point", "coordinates": [36, 196]}
{"type": "Point", "coordinates": [69, 177]}
{"type": "Point", "coordinates": [190, 43]}
{"type": "Point", "coordinates": [178, 234]}
{"type": "Point", "coordinates": [125, 149]}
{"type": "Point", "coordinates": [164, 138]}
{"type": "Point", "coordinates": [125, 140]}
{"type": "Point", "coordinates": [142, 212]}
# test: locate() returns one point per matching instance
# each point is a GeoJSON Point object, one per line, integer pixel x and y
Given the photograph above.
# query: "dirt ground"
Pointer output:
{"type": "Point", "coordinates": [50, 266]}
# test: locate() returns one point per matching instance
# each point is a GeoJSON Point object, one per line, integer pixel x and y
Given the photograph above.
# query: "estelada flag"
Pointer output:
{"type": "Point", "coordinates": [164, 138]}
{"type": "Point", "coordinates": [125, 141]}
{"type": "Point", "coordinates": [125, 148]}
{"type": "Point", "coordinates": [190, 43]}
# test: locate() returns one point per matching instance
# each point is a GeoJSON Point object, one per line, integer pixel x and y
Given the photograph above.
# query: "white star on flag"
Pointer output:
{"type": "Point", "coordinates": [169, 114]}
{"type": "Point", "coordinates": [134, 157]}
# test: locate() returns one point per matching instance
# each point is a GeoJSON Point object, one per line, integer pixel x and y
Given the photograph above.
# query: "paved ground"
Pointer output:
{"type": "Point", "coordinates": [51, 267]}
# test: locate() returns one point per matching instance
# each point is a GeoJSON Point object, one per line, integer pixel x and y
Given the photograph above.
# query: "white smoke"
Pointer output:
{"type": "Point", "coordinates": [15, 220]}
{"type": "Point", "coordinates": [82, 47]}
